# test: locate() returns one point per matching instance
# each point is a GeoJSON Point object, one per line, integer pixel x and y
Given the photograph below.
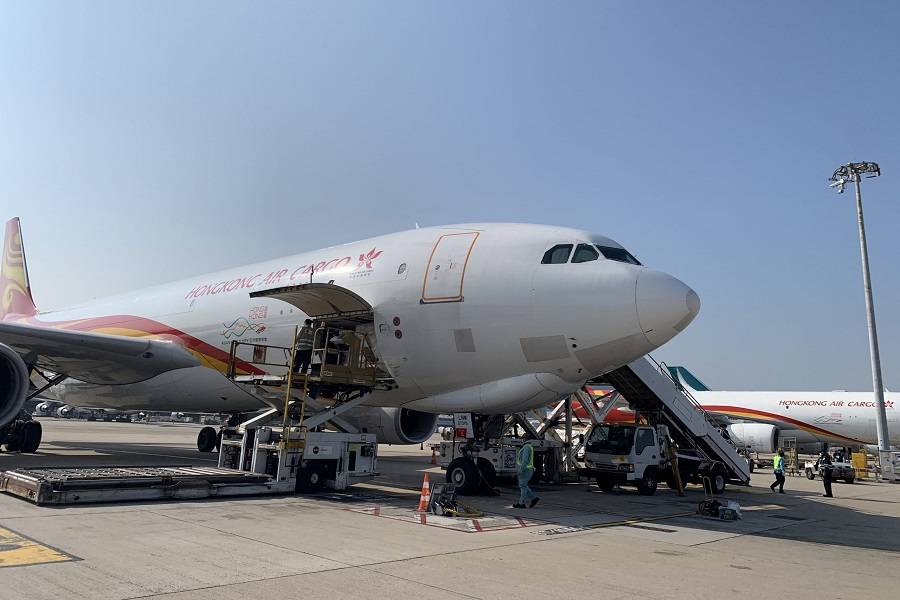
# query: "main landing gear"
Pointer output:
{"type": "Point", "coordinates": [210, 438]}
{"type": "Point", "coordinates": [22, 435]}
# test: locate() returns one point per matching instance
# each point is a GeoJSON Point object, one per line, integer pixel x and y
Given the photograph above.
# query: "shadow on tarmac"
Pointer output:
{"type": "Point", "coordinates": [802, 515]}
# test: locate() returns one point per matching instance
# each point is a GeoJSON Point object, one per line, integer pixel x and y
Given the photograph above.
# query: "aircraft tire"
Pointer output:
{"type": "Point", "coordinates": [206, 439]}
{"type": "Point", "coordinates": [31, 437]}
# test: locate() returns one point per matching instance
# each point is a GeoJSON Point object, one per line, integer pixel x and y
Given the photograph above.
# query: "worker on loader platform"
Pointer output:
{"type": "Point", "coordinates": [525, 470]}
{"type": "Point", "coordinates": [304, 347]}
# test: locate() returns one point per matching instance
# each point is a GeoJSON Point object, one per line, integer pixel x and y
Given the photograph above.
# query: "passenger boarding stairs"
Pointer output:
{"type": "Point", "coordinates": [652, 392]}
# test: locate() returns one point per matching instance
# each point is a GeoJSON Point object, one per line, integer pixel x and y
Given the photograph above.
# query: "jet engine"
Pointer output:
{"type": "Point", "coordinates": [393, 425]}
{"type": "Point", "coordinates": [14, 384]}
{"type": "Point", "coordinates": [757, 437]}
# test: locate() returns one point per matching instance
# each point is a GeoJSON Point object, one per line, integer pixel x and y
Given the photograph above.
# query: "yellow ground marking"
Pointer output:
{"type": "Point", "coordinates": [17, 550]}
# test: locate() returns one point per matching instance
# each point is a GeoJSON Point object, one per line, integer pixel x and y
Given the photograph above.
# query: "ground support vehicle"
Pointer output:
{"type": "Point", "coordinates": [842, 471]}
{"type": "Point", "coordinates": [630, 454]}
{"type": "Point", "coordinates": [475, 467]}
{"type": "Point", "coordinates": [256, 458]}
{"type": "Point", "coordinates": [694, 435]}
{"type": "Point", "coordinates": [285, 449]}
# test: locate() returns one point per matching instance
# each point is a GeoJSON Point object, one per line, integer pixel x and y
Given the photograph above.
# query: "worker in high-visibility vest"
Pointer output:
{"type": "Point", "coordinates": [304, 347]}
{"type": "Point", "coordinates": [779, 471]}
{"type": "Point", "coordinates": [525, 470]}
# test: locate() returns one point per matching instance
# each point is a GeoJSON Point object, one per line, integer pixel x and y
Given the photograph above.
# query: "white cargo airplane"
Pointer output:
{"type": "Point", "coordinates": [486, 318]}
{"type": "Point", "coordinates": [762, 420]}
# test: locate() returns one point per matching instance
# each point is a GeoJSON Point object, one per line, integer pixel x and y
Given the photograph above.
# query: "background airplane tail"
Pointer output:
{"type": "Point", "coordinates": [687, 379]}
{"type": "Point", "coordinates": [15, 291]}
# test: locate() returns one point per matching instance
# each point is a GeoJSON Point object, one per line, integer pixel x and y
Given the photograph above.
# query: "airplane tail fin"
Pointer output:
{"type": "Point", "coordinates": [15, 291]}
{"type": "Point", "coordinates": [687, 379]}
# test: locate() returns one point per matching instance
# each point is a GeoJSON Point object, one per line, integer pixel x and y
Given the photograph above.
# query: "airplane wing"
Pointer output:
{"type": "Point", "coordinates": [93, 357]}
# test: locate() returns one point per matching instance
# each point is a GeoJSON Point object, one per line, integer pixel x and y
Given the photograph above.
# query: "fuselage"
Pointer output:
{"type": "Point", "coordinates": [466, 317]}
{"type": "Point", "coordinates": [807, 417]}
{"type": "Point", "coordinates": [833, 417]}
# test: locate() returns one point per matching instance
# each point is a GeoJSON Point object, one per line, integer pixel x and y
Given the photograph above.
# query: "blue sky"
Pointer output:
{"type": "Point", "coordinates": [144, 142]}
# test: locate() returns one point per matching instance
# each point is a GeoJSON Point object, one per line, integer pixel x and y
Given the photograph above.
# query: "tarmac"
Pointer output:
{"type": "Point", "coordinates": [369, 543]}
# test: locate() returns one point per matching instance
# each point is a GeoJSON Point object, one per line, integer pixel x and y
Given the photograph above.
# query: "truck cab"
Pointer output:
{"type": "Point", "coordinates": [623, 454]}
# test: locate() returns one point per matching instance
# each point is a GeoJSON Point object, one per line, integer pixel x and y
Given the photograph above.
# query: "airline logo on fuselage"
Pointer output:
{"type": "Point", "coordinates": [286, 275]}
{"type": "Point", "coordinates": [850, 404]}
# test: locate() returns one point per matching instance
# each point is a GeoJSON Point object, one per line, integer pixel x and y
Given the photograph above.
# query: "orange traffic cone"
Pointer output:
{"type": "Point", "coordinates": [433, 456]}
{"type": "Point", "coordinates": [425, 498]}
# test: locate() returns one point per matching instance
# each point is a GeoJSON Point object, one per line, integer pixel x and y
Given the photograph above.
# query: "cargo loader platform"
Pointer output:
{"type": "Point", "coordinates": [77, 485]}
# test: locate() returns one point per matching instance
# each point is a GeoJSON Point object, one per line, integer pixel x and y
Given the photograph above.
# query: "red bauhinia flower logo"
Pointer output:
{"type": "Point", "coordinates": [367, 259]}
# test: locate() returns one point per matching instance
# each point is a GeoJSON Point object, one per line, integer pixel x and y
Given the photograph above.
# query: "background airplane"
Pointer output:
{"type": "Point", "coordinates": [487, 318]}
{"type": "Point", "coordinates": [762, 420]}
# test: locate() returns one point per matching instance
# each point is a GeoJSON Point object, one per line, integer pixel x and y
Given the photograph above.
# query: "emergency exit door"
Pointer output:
{"type": "Point", "coordinates": [446, 269]}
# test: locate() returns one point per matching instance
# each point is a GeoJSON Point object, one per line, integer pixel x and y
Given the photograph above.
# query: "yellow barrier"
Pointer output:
{"type": "Point", "coordinates": [860, 464]}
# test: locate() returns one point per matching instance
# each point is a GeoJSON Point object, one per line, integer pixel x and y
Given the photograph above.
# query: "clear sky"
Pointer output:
{"type": "Point", "coordinates": [144, 142]}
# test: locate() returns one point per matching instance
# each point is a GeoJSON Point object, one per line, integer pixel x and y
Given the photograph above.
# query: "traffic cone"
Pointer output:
{"type": "Point", "coordinates": [425, 498]}
{"type": "Point", "coordinates": [433, 456]}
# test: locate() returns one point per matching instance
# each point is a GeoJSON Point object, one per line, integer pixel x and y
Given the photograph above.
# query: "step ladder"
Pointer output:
{"type": "Point", "coordinates": [651, 391]}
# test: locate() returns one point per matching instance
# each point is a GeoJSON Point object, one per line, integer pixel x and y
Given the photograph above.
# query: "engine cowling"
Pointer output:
{"type": "Point", "coordinates": [393, 425]}
{"type": "Point", "coordinates": [14, 384]}
{"type": "Point", "coordinates": [758, 437]}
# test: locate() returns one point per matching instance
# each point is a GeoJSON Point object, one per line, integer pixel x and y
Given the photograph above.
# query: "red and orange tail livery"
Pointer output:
{"type": "Point", "coordinates": [15, 292]}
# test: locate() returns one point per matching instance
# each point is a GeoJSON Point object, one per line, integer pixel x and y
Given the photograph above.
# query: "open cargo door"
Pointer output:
{"type": "Point", "coordinates": [324, 301]}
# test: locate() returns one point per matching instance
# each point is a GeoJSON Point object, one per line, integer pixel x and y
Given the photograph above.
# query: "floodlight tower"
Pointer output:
{"type": "Point", "coordinates": [841, 176]}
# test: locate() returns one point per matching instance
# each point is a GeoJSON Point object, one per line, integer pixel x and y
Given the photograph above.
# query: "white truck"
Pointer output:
{"type": "Point", "coordinates": [641, 455]}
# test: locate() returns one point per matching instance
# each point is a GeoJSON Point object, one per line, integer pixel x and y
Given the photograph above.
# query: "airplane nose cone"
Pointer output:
{"type": "Point", "coordinates": [665, 306]}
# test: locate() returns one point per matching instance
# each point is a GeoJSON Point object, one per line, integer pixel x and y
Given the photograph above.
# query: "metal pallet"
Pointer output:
{"type": "Point", "coordinates": [77, 485]}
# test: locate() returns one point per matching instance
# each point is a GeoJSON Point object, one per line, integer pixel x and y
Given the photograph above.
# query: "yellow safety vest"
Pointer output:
{"type": "Point", "coordinates": [779, 463]}
{"type": "Point", "coordinates": [305, 339]}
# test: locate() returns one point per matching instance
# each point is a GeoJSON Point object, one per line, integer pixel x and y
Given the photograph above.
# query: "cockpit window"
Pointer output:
{"type": "Point", "coordinates": [618, 254]}
{"type": "Point", "coordinates": [557, 255]}
{"type": "Point", "coordinates": [584, 253]}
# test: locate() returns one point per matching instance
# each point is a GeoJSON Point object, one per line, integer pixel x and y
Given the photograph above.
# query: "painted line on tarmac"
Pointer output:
{"type": "Point", "coordinates": [18, 550]}
{"type": "Point", "coordinates": [621, 523]}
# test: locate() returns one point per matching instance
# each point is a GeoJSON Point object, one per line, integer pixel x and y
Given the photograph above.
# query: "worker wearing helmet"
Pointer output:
{"type": "Point", "coordinates": [525, 470]}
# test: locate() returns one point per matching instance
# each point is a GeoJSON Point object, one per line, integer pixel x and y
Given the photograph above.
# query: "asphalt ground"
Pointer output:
{"type": "Point", "coordinates": [370, 543]}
